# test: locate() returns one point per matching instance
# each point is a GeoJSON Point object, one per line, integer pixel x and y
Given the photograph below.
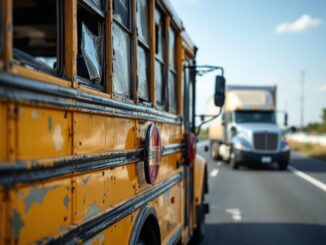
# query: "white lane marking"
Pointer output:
{"type": "Point", "coordinates": [308, 178]}
{"type": "Point", "coordinates": [214, 172]}
{"type": "Point", "coordinates": [235, 213]}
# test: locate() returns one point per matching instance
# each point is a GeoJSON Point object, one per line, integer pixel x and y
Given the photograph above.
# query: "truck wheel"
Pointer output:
{"type": "Point", "coordinates": [283, 165]}
{"type": "Point", "coordinates": [215, 146]}
{"type": "Point", "coordinates": [233, 161]}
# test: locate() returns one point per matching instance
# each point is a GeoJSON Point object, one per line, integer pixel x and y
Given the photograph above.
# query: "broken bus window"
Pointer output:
{"type": "Point", "coordinates": [36, 40]}
{"type": "Point", "coordinates": [90, 56]}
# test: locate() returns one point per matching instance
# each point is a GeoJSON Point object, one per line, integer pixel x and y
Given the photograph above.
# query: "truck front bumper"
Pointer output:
{"type": "Point", "coordinates": [255, 158]}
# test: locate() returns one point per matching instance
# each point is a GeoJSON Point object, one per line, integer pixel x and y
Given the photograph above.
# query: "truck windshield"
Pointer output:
{"type": "Point", "coordinates": [255, 117]}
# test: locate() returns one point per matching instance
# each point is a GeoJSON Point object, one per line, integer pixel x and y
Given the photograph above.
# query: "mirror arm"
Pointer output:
{"type": "Point", "coordinates": [204, 69]}
{"type": "Point", "coordinates": [197, 131]}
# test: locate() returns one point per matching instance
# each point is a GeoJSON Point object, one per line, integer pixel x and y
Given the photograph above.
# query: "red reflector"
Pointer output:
{"type": "Point", "coordinates": [191, 141]}
{"type": "Point", "coordinates": [153, 153]}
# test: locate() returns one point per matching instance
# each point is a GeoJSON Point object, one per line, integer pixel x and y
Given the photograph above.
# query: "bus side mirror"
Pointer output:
{"type": "Point", "coordinates": [219, 95]}
{"type": "Point", "coordinates": [285, 119]}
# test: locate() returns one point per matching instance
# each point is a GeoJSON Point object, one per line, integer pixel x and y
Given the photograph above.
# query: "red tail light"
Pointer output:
{"type": "Point", "coordinates": [191, 141]}
{"type": "Point", "coordinates": [153, 153]}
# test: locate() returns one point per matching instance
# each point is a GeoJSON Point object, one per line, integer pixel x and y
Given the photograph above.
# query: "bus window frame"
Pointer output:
{"type": "Point", "coordinates": [173, 69]}
{"type": "Point", "coordinates": [60, 54]}
{"type": "Point", "coordinates": [163, 63]}
{"type": "Point", "coordinates": [130, 31]}
{"type": "Point", "coordinates": [100, 17]}
{"type": "Point", "coordinates": [146, 47]}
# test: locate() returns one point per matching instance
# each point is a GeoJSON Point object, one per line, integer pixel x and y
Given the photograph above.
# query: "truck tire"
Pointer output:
{"type": "Point", "coordinates": [233, 161]}
{"type": "Point", "coordinates": [214, 150]}
{"type": "Point", "coordinates": [283, 165]}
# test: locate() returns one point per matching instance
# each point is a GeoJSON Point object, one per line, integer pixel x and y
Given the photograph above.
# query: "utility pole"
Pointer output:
{"type": "Point", "coordinates": [303, 73]}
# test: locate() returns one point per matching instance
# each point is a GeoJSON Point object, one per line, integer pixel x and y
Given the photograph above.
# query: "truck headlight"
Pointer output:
{"type": "Point", "coordinates": [285, 147]}
{"type": "Point", "coordinates": [243, 146]}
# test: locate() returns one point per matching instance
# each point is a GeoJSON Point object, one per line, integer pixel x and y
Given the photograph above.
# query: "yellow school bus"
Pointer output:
{"type": "Point", "coordinates": [96, 120]}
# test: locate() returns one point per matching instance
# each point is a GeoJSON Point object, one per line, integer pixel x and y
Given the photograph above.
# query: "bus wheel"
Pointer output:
{"type": "Point", "coordinates": [199, 232]}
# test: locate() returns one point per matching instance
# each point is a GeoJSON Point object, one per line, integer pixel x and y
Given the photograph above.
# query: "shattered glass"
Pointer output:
{"type": "Point", "coordinates": [143, 20]}
{"type": "Point", "coordinates": [172, 92]}
{"type": "Point", "coordinates": [159, 82]}
{"type": "Point", "coordinates": [121, 61]}
{"type": "Point", "coordinates": [143, 82]}
{"type": "Point", "coordinates": [91, 48]}
{"type": "Point", "coordinates": [172, 48]}
{"type": "Point", "coordinates": [121, 11]}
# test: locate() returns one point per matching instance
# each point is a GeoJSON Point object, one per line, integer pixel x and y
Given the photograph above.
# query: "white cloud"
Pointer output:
{"type": "Point", "coordinates": [304, 23]}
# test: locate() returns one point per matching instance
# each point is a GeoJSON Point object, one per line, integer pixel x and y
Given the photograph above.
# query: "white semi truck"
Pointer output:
{"type": "Point", "coordinates": [247, 133]}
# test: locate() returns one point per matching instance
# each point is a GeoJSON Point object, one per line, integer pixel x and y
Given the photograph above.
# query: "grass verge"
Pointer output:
{"type": "Point", "coordinates": [310, 150]}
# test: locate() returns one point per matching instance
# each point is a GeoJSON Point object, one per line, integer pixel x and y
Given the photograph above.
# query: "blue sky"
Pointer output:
{"type": "Point", "coordinates": [265, 42]}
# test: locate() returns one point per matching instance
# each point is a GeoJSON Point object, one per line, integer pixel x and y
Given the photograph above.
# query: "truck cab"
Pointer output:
{"type": "Point", "coordinates": [248, 133]}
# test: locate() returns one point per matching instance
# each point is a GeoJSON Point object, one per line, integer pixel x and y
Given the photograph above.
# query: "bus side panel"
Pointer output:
{"type": "Point", "coordinates": [119, 233]}
{"type": "Point", "coordinates": [97, 192]}
{"type": "Point", "coordinates": [42, 133]}
{"type": "Point", "coordinates": [96, 133]}
{"type": "Point", "coordinates": [167, 207]}
{"type": "Point", "coordinates": [39, 211]}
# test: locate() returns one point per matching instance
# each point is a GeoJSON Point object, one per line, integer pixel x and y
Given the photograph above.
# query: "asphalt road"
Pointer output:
{"type": "Point", "coordinates": [265, 205]}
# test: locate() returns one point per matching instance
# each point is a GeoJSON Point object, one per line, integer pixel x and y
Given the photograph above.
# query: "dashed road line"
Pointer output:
{"type": "Point", "coordinates": [214, 172]}
{"type": "Point", "coordinates": [235, 213]}
{"type": "Point", "coordinates": [308, 178]}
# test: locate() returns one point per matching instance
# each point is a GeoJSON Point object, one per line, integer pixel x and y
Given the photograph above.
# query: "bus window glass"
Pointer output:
{"type": "Point", "coordinates": [121, 40]}
{"type": "Point", "coordinates": [90, 59]}
{"type": "Point", "coordinates": [159, 56]}
{"type": "Point", "coordinates": [121, 12]}
{"type": "Point", "coordinates": [160, 37]}
{"type": "Point", "coordinates": [172, 48]}
{"type": "Point", "coordinates": [35, 36]}
{"type": "Point", "coordinates": [143, 20]}
{"type": "Point", "coordinates": [143, 49]}
{"type": "Point", "coordinates": [159, 82]}
{"type": "Point", "coordinates": [143, 86]}
{"type": "Point", "coordinates": [172, 92]}
{"type": "Point", "coordinates": [172, 72]}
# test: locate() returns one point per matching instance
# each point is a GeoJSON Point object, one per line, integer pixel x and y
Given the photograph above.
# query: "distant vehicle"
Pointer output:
{"type": "Point", "coordinates": [248, 133]}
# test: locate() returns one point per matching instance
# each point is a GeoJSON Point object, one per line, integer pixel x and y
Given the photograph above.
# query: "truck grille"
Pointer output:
{"type": "Point", "coordinates": [265, 141]}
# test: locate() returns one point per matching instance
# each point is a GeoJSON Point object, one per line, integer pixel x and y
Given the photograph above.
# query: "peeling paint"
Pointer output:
{"type": "Point", "coordinates": [57, 137]}
{"type": "Point", "coordinates": [66, 201]}
{"type": "Point", "coordinates": [16, 223]}
{"type": "Point", "coordinates": [36, 195]}
{"type": "Point", "coordinates": [35, 115]}
{"type": "Point", "coordinates": [101, 238]}
{"type": "Point", "coordinates": [86, 179]}
{"type": "Point", "coordinates": [94, 209]}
